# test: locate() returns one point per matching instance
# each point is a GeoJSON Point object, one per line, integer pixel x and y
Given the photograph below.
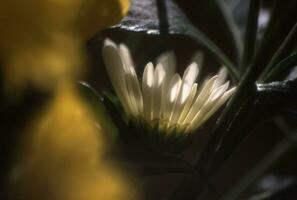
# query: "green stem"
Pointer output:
{"type": "Point", "coordinates": [260, 168]}
{"type": "Point", "coordinates": [286, 48]}
{"type": "Point", "coordinates": [239, 105]}
{"type": "Point", "coordinates": [250, 178]}
{"type": "Point", "coordinates": [245, 90]}
{"type": "Point", "coordinates": [251, 34]}
{"type": "Point", "coordinates": [280, 68]}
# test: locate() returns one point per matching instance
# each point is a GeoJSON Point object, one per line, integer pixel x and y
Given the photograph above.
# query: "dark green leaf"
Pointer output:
{"type": "Point", "coordinates": [282, 20]}
{"type": "Point", "coordinates": [158, 17]}
{"type": "Point", "coordinates": [151, 162]}
{"type": "Point", "coordinates": [281, 68]}
{"type": "Point", "coordinates": [215, 17]}
{"type": "Point", "coordinates": [244, 183]}
{"type": "Point", "coordinates": [114, 108]}
{"type": "Point", "coordinates": [94, 100]}
{"type": "Point", "coordinates": [288, 193]}
{"type": "Point", "coordinates": [152, 168]}
{"type": "Point", "coordinates": [281, 95]}
{"type": "Point", "coordinates": [239, 10]}
{"type": "Point", "coordinates": [227, 17]}
{"type": "Point", "coordinates": [250, 34]}
{"type": "Point", "coordinates": [283, 51]}
{"type": "Point", "coordinates": [227, 135]}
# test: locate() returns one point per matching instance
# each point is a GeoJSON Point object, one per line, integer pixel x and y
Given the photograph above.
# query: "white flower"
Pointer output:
{"type": "Point", "coordinates": [163, 98]}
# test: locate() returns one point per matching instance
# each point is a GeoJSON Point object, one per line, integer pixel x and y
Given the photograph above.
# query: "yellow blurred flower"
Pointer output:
{"type": "Point", "coordinates": [60, 153]}
{"type": "Point", "coordinates": [61, 156]}
{"type": "Point", "coordinates": [41, 41]}
{"type": "Point", "coordinates": [96, 15]}
{"type": "Point", "coordinates": [27, 21]}
{"type": "Point", "coordinates": [43, 65]}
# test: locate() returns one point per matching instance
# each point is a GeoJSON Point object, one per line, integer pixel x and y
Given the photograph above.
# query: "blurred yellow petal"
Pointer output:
{"type": "Point", "coordinates": [37, 43]}
{"type": "Point", "coordinates": [61, 156]}
{"type": "Point", "coordinates": [40, 41]}
{"type": "Point", "coordinates": [43, 65]}
{"type": "Point", "coordinates": [96, 15]}
{"type": "Point", "coordinates": [125, 4]}
{"type": "Point", "coordinates": [30, 21]}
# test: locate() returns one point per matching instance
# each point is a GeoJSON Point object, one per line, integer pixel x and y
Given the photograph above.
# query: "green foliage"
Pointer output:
{"type": "Point", "coordinates": [263, 91]}
{"type": "Point", "coordinates": [166, 18]}
{"type": "Point", "coordinates": [95, 103]}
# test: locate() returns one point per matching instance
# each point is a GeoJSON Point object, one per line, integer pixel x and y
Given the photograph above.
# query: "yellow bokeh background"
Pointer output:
{"type": "Point", "coordinates": [42, 41]}
{"type": "Point", "coordinates": [61, 156]}
{"type": "Point", "coordinates": [60, 153]}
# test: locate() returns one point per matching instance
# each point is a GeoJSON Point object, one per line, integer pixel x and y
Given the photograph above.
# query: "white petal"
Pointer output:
{"type": "Point", "coordinates": [201, 99]}
{"type": "Point", "coordinates": [205, 108]}
{"type": "Point", "coordinates": [126, 56]}
{"type": "Point", "coordinates": [191, 73]}
{"type": "Point", "coordinates": [184, 93]}
{"type": "Point", "coordinates": [147, 91]}
{"type": "Point", "coordinates": [171, 96]}
{"type": "Point", "coordinates": [214, 108]}
{"type": "Point", "coordinates": [188, 80]}
{"type": "Point", "coordinates": [135, 92]}
{"type": "Point", "coordinates": [174, 91]}
{"type": "Point", "coordinates": [198, 58]}
{"type": "Point", "coordinates": [131, 96]}
{"type": "Point", "coordinates": [115, 70]}
{"type": "Point", "coordinates": [159, 80]}
{"type": "Point", "coordinates": [218, 92]}
{"type": "Point", "coordinates": [160, 72]}
{"type": "Point", "coordinates": [209, 103]}
{"type": "Point", "coordinates": [222, 75]}
{"type": "Point", "coordinates": [188, 103]}
{"type": "Point", "coordinates": [109, 42]}
{"type": "Point", "coordinates": [221, 101]}
{"type": "Point", "coordinates": [168, 62]}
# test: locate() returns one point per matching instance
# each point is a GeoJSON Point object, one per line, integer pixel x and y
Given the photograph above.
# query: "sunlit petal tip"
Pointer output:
{"type": "Point", "coordinates": [166, 56]}
{"type": "Point", "coordinates": [148, 74]}
{"type": "Point", "coordinates": [222, 75]}
{"type": "Point", "coordinates": [191, 73]}
{"type": "Point", "coordinates": [174, 87]}
{"type": "Point", "coordinates": [198, 58]}
{"type": "Point", "coordinates": [109, 42]}
{"type": "Point", "coordinates": [168, 61]}
{"type": "Point", "coordinates": [231, 91]}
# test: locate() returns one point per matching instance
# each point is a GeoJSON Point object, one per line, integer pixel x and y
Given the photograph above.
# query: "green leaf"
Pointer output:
{"type": "Point", "coordinates": [282, 20]}
{"type": "Point", "coordinates": [279, 95]}
{"type": "Point", "coordinates": [250, 34]}
{"type": "Point", "coordinates": [233, 29]}
{"type": "Point", "coordinates": [95, 103]}
{"type": "Point", "coordinates": [255, 173]}
{"type": "Point", "coordinates": [150, 163]}
{"type": "Point", "coordinates": [279, 70]}
{"type": "Point", "coordinates": [284, 50]}
{"type": "Point", "coordinates": [164, 18]}
{"type": "Point", "coordinates": [215, 17]}
{"type": "Point", "coordinates": [114, 108]}
{"type": "Point", "coordinates": [226, 135]}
